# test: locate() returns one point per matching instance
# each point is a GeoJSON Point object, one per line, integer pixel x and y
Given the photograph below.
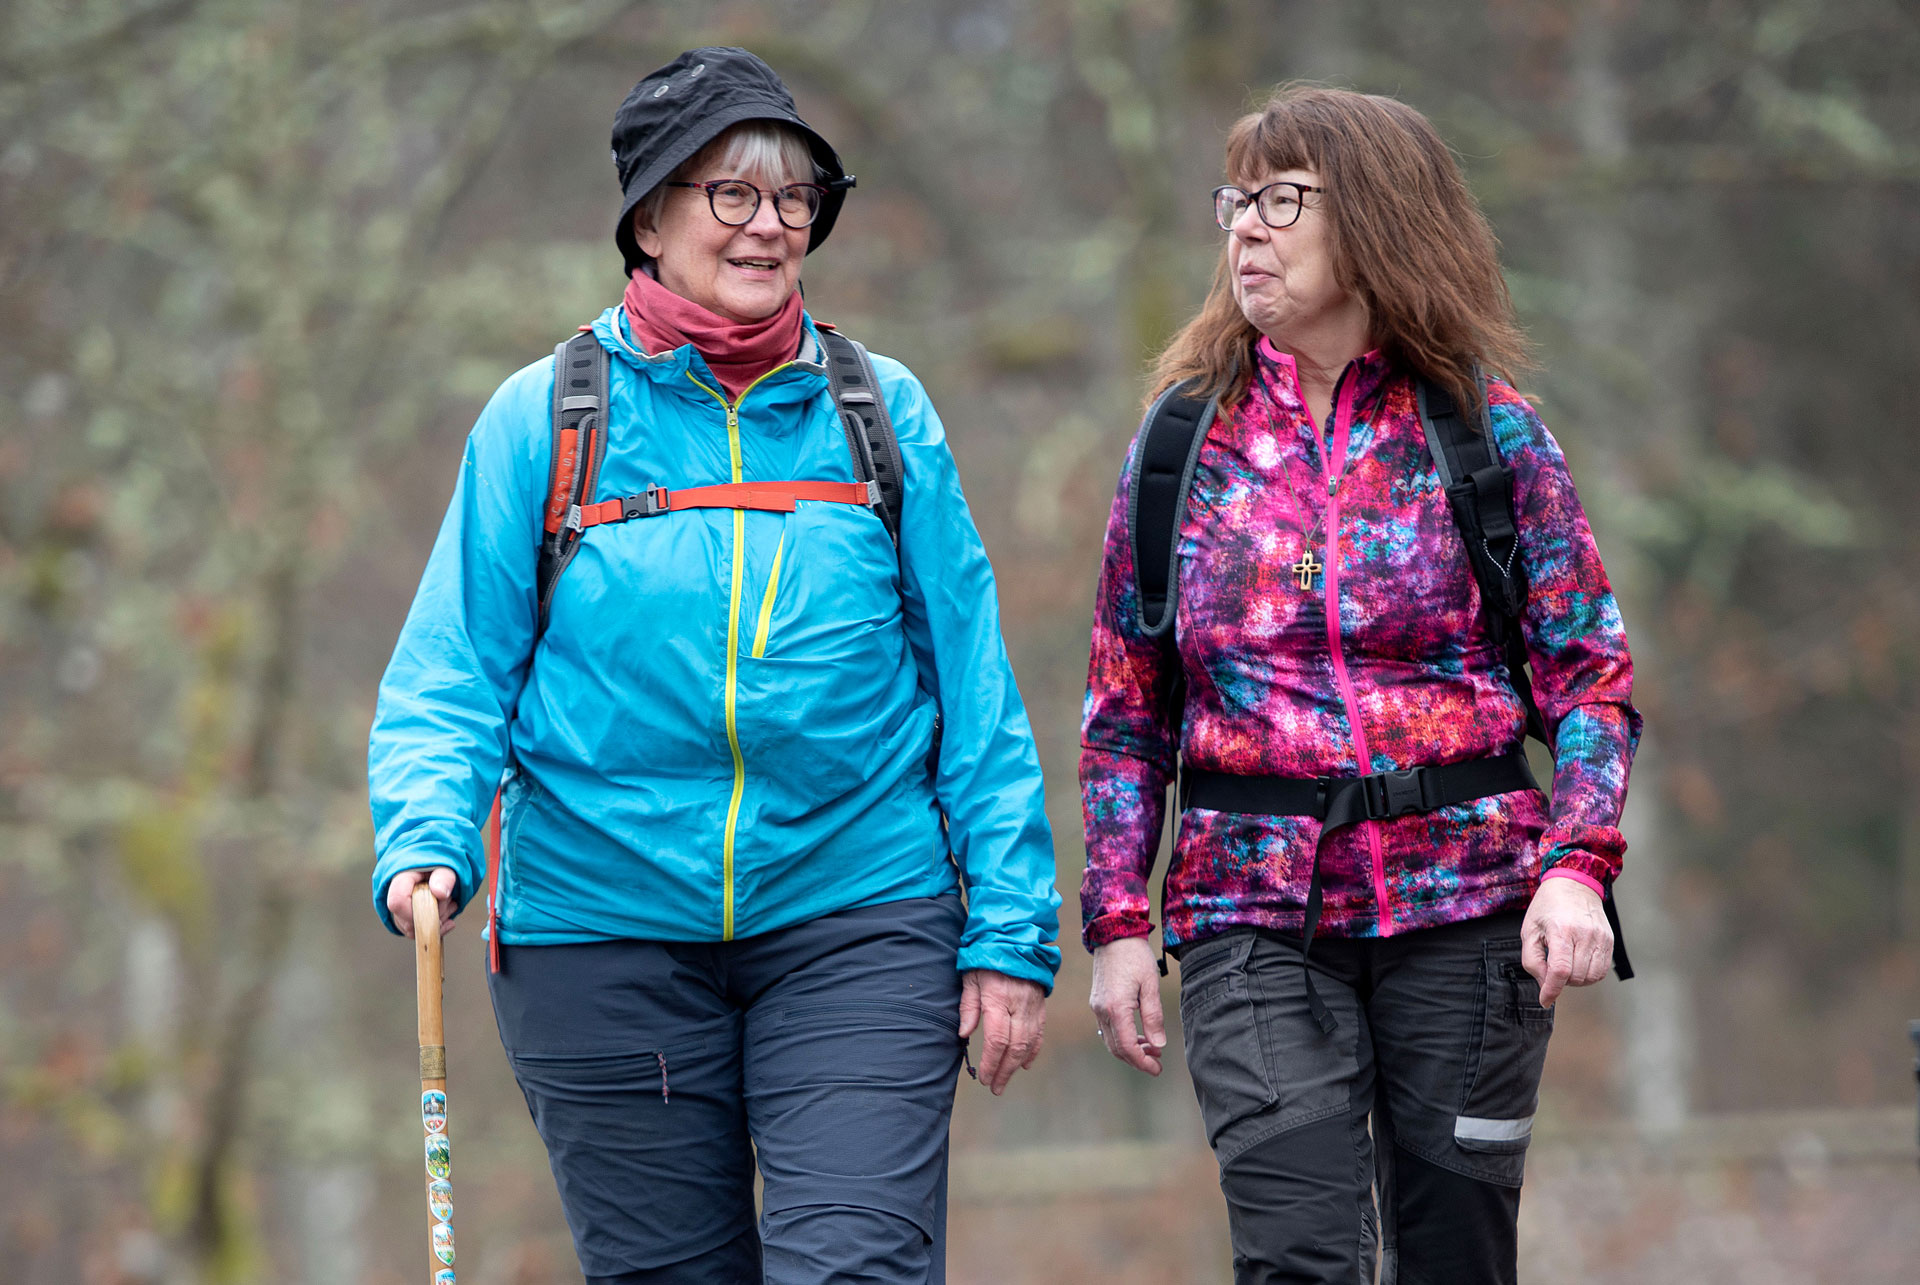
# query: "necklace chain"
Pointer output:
{"type": "Point", "coordinates": [1307, 568]}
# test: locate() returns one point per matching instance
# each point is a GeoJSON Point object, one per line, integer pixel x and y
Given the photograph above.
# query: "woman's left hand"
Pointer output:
{"type": "Point", "coordinates": [1011, 1014]}
{"type": "Point", "coordinates": [1565, 940]}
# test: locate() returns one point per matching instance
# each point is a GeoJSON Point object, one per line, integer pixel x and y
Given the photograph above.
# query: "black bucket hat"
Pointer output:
{"type": "Point", "coordinates": [688, 103]}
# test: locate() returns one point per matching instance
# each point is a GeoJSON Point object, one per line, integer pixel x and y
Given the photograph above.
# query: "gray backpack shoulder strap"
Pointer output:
{"type": "Point", "coordinates": [579, 443]}
{"type": "Point", "coordinates": [868, 426]}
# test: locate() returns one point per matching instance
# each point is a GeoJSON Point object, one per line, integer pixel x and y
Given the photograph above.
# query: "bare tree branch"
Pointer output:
{"type": "Point", "coordinates": [139, 23]}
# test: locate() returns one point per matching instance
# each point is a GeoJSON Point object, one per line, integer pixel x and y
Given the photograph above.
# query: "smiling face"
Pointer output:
{"type": "Point", "coordinates": [743, 273]}
{"type": "Point", "coordinates": [1284, 278]}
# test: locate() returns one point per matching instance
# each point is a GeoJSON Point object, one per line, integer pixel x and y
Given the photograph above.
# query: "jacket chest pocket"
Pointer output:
{"type": "Point", "coordinates": [815, 583]}
{"type": "Point", "coordinates": [759, 598]}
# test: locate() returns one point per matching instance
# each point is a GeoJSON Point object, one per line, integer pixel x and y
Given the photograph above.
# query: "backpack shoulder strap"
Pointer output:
{"type": "Point", "coordinates": [1459, 447]}
{"type": "Point", "coordinates": [868, 426]}
{"type": "Point", "coordinates": [579, 444]}
{"type": "Point", "coordinates": [1479, 490]}
{"type": "Point", "coordinates": [1169, 444]}
{"type": "Point", "coordinates": [1165, 452]}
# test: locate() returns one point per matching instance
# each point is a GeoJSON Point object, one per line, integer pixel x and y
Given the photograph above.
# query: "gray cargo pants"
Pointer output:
{"type": "Point", "coordinates": [660, 1073]}
{"type": "Point", "coordinates": [1440, 1043]}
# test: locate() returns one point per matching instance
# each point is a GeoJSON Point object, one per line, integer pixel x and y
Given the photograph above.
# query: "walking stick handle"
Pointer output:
{"type": "Point", "coordinates": [427, 973]}
{"type": "Point", "coordinates": [433, 1083]}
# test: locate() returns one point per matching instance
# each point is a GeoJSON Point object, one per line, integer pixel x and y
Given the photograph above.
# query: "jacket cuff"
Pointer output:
{"type": "Point", "coordinates": [1562, 872]}
{"type": "Point", "coordinates": [1029, 963]}
{"type": "Point", "coordinates": [1105, 928]}
{"type": "Point", "coordinates": [1595, 872]}
{"type": "Point", "coordinates": [421, 858]}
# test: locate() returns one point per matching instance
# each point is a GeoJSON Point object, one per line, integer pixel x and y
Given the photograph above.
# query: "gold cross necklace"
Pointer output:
{"type": "Point", "coordinates": [1306, 569]}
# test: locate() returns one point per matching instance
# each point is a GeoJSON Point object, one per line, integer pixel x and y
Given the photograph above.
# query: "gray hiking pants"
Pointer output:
{"type": "Point", "coordinates": [659, 1073]}
{"type": "Point", "coordinates": [1403, 1133]}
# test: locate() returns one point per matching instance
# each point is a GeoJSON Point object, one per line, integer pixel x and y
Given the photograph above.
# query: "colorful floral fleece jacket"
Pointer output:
{"type": "Point", "coordinates": [1385, 664]}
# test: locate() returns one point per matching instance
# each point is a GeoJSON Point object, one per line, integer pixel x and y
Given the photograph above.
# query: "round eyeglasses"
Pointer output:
{"type": "Point", "coordinates": [734, 201]}
{"type": "Point", "coordinates": [1278, 204]}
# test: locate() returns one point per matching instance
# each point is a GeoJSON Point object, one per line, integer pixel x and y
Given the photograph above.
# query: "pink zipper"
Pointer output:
{"type": "Point", "coordinates": [1342, 430]}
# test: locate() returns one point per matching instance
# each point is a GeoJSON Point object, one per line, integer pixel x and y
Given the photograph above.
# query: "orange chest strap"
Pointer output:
{"type": "Point", "coordinates": [775, 497]}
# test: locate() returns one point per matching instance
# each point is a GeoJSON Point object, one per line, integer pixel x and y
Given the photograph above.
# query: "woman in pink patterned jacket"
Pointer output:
{"type": "Point", "coordinates": [1367, 1061]}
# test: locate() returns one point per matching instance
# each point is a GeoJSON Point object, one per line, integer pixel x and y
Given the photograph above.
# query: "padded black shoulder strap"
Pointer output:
{"type": "Point", "coordinates": [579, 444]}
{"type": "Point", "coordinates": [1479, 491]}
{"type": "Point", "coordinates": [1479, 488]}
{"type": "Point", "coordinates": [1169, 444]}
{"type": "Point", "coordinates": [868, 426]}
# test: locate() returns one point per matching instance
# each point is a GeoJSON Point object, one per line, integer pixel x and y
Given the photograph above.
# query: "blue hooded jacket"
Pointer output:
{"type": "Point", "coordinates": [727, 726]}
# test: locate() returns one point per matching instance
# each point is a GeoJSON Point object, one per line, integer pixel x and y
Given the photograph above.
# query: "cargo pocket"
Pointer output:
{"type": "Point", "coordinates": [608, 1080]}
{"type": "Point", "coordinates": [1504, 1063]}
{"type": "Point", "coordinates": [1225, 1054]}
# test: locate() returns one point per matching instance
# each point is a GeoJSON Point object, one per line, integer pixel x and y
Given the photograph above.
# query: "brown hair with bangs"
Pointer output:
{"type": "Point", "coordinates": [1407, 236]}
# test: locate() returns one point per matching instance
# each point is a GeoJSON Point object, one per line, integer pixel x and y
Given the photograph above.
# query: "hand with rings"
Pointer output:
{"type": "Point", "coordinates": [1126, 991]}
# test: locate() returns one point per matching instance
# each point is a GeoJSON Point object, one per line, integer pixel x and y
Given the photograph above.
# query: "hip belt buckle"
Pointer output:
{"type": "Point", "coordinates": [1395, 794]}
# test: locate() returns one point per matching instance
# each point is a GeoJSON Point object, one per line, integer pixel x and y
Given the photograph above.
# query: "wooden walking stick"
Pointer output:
{"type": "Point", "coordinates": [433, 1083]}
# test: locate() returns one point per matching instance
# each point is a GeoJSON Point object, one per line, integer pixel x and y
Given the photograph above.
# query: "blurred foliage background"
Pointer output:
{"type": "Point", "coordinates": [261, 261]}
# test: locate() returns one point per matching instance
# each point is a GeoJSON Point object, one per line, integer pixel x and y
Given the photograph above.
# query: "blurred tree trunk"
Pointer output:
{"type": "Point", "coordinates": [1134, 75]}
{"type": "Point", "coordinates": [1907, 857]}
{"type": "Point", "coordinates": [1656, 1048]}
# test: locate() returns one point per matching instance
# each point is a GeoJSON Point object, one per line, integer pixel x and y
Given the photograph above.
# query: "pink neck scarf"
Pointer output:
{"type": "Point", "coordinates": [738, 353]}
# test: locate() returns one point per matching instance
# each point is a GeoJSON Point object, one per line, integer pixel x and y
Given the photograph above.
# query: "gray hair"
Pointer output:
{"type": "Point", "coordinates": [757, 149]}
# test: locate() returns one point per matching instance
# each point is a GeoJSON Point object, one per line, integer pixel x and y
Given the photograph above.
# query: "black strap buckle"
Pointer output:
{"type": "Point", "coordinates": [1396, 794]}
{"type": "Point", "coordinates": [652, 504]}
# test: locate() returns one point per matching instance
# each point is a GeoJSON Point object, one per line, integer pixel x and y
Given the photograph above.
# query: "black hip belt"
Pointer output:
{"type": "Point", "coordinates": [1343, 800]}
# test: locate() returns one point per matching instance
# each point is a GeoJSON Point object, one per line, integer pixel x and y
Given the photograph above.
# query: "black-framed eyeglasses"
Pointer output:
{"type": "Point", "coordinates": [1278, 204]}
{"type": "Point", "coordinates": [734, 201]}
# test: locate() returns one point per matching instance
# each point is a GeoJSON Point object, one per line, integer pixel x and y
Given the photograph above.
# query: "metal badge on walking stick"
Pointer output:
{"type": "Point", "coordinates": [433, 1084]}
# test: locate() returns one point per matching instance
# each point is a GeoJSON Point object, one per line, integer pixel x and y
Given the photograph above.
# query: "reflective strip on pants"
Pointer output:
{"type": "Point", "coordinates": [1468, 1128]}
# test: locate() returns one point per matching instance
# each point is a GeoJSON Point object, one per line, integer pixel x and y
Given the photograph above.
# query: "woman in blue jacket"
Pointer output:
{"type": "Point", "coordinates": [748, 763]}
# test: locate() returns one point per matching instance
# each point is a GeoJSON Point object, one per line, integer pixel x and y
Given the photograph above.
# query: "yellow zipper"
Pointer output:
{"type": "Point", "coordinates": [766, 601]}
{"type": "Point", "coordinates": [733, 644]}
